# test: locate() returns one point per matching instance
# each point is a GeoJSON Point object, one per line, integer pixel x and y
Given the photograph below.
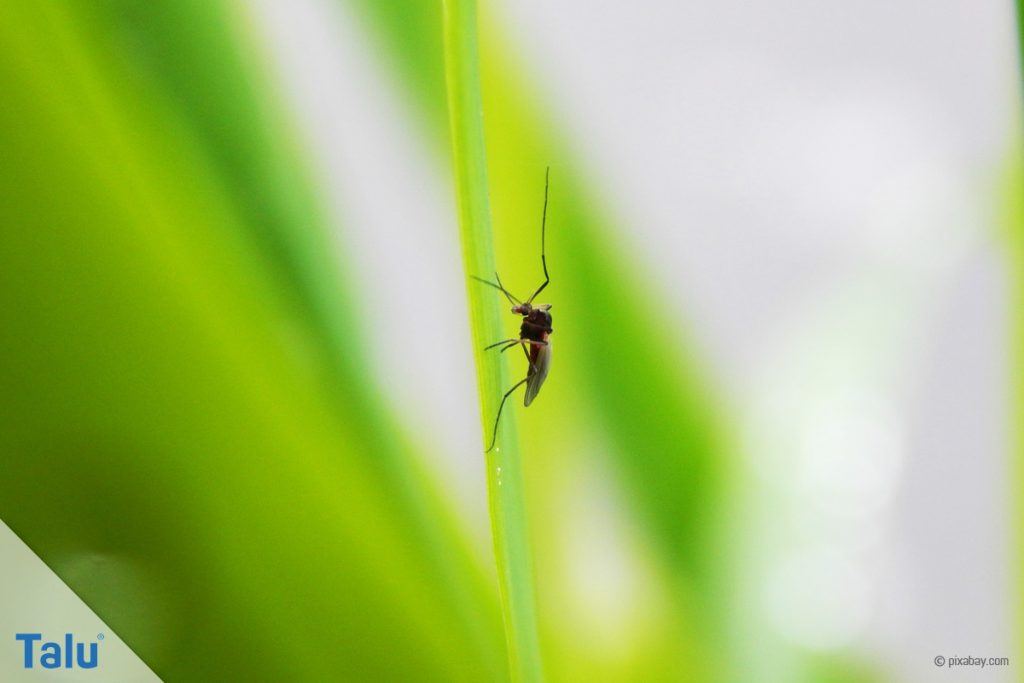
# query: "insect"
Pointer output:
{"type": "Point", "coordinates": [535, 331]}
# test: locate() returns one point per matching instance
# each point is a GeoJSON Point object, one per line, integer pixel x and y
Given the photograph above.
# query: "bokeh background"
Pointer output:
{"type": "Point", "coordinates": [239, 411]}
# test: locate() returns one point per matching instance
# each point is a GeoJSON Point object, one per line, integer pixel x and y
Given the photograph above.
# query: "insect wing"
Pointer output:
{"type": "Point", "coordinates": [538, 372]}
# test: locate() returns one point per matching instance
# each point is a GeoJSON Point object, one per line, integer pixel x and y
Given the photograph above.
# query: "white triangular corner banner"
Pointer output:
{"type": "Point", "coordinates": [35, 602]}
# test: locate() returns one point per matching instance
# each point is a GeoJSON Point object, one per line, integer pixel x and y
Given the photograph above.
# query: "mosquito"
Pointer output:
{"type": "Point", "coordinates": [535, 331]}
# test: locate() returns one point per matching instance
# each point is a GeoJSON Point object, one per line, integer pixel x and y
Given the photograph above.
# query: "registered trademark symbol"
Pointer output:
{"type": "Point", "coordinates": [100, 637]}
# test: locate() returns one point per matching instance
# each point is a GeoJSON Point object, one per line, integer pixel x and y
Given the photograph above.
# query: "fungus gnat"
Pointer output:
{"type": "Point", "coordinates": [534, 331]}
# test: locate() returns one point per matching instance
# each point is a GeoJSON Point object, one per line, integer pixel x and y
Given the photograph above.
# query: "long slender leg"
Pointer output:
{"type": "Point", "coordinates": [508, 295]}
{"type": "Point", "coordinates": [512, 299]}
{"type": "Point", "coordinates": [527, 354]}
{"type": "Point", "coordinates": [543, 228]}
{"type": "Point", "coordinates": [499, 343]}
{"type": "Point", "coordinates": [513, 342]}
{"type": "Point", "coordinates": [494, 435]}
{"type": "Point", "coordinates": [523, 343]}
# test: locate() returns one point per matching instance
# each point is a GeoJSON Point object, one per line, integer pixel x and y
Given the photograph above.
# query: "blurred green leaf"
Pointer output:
{"type": "Point", "coordinates": [196, 59]}
{"type": "Point", "coordinates": [160, 380]}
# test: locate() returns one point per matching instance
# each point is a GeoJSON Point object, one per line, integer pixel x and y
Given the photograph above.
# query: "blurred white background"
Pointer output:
{"type": "Point", "coordinates": [813, 183]}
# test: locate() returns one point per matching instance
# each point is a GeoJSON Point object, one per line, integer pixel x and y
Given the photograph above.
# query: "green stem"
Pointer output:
{"type": "Point", "coordinates": [504, 472]}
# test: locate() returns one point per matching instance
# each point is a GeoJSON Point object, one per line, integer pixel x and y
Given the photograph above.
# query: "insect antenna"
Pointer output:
{"type": "Point", "coordinates": [543, 224]}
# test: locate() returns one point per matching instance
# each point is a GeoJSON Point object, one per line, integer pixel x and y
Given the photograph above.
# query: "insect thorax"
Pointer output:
{"type": "Point", "coordinates": [536, 324]}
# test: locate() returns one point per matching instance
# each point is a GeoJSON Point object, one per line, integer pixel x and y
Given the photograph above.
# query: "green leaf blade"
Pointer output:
{"type": "Point", "coordinates": [504, 470]}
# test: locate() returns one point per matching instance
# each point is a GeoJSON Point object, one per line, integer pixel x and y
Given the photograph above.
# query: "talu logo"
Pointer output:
{"type": "Point", "coordinates": [53, 655]}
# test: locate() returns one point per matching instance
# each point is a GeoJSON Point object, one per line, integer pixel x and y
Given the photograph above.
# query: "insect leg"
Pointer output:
{"type": "Point", "coordinates": [513, 342]}
{"type": "Point", "coordinates": [494, 435]}
{"type": "Point", "coordinates": [503, 341]}
{"type": "Point", "coordinates": [508, 295]}
{"type": "Point", "coordinates": [524, 343]}
{"type": "Point", "coordinates": [512, 300]}
{"type": "Point", "coordinates": [528, 359]}
{"type": "Point", "coordinates": [543, 228]}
